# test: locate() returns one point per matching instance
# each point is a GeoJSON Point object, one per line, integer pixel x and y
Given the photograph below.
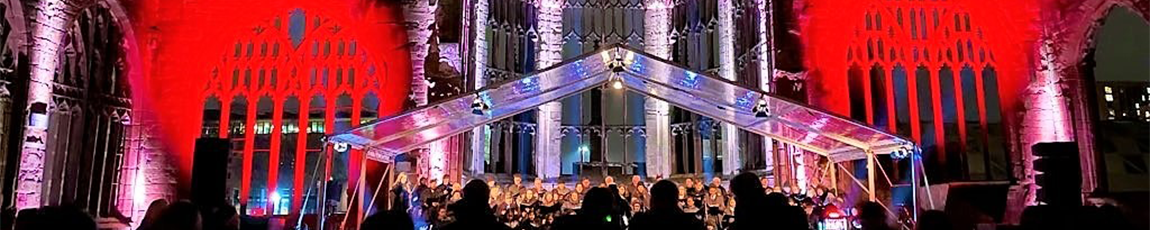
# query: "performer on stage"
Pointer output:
{"type": "Point", "coordinates": [517, 186]}
{"type": "Point", "coordinates": [574, 199]}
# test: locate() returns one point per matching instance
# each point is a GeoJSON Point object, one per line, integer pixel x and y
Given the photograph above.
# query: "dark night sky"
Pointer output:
{"type": "Point", "coordinates": [1123, 51]}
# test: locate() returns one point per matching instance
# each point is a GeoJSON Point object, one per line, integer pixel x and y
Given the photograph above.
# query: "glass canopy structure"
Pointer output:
{"type": "Point", "coordinates": [838, 138]}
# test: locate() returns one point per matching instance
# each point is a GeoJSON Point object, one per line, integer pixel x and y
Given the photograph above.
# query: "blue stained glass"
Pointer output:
{"type": "Point", "coordinates": [297, 25]}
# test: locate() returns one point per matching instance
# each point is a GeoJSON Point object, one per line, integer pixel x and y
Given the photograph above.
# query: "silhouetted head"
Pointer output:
{"type": "Point", "coordinates": [476, 192]}
{"type": "Point", "coordinates": [934, 220]}
{"type": "Point", "coordinates": [181, 215]}
{"type": "Point", "coordinates": [27, 219]}
{"type": "Point", "coordinates": [598, 201]}
{"type": "Point", "coordinates": [872, 214]}
{"type": "Point", "coordinates": [474, 204]}
{"type": "Point", "coordinates": [746, 186]}
{"type": "Point", "coordinates": [774, 199]}
{"type": "Point", "coordinates": [664, 196]}
{"type": "Point", "coordinates": [65, 217]}
{"type": "Point", "coordinates": [153, 213]}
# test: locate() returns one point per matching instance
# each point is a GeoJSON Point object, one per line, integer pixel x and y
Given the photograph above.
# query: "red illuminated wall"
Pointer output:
{"type": "Point", "coordinates": [828, 27]}
{"type": "Point", "coordinates": [182, 41]}
{"type": "Point", "coordinates": [1038, 46]}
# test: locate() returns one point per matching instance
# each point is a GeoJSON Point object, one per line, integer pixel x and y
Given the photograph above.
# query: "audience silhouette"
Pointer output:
{"type": "Point", "coordinates": [934, 220]}
{"type": "Point", "coordinates": [757, 210]}
{"type": "Point", "coordinates": [597, 213]}
{"type": "Point", "coordinates": [873, 216]}
{"type": "Point", "coordinates": [602, 208]}
{"type": "Point", "coordinates": [152, 214]}
{"type": "Point", "coordinates": [54, 217]}
{"type": "Point", "coordinates": [665, 213]}
{"type": "Point", "coordinates": [473, 211]}
{"type": "Point", "coordinates": [181, 215]}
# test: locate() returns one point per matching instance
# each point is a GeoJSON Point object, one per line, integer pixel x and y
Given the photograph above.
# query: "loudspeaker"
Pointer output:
{"type": "Point", "coordinates": [210, 170]}
{"type": "Point", "coordinates": [1059, 174]}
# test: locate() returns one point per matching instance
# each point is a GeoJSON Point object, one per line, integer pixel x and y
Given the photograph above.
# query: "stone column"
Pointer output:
{"type": "Point", "coordinates": [766, 68]}
{"type": "Point", "coordinates": [547, 136]}
{"type": "Point", "coordinates": [52, 20]}
{"type": "Point", "coordinates": [657, 41]}
{"type": "Point", "coordinates": [480, 135]}
{"type": "Point", "coordinates": [420, 16]}
{"type": "Point", "coordinates": [1047, 118]}
{"type": "Point", "coordinates": [731, 145]}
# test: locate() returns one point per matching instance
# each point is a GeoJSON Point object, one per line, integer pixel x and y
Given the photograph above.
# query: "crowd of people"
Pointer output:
{"type": "Point", "coordinates": [664, 205]}
{"type": "Point", "coordinates": [538, 205]}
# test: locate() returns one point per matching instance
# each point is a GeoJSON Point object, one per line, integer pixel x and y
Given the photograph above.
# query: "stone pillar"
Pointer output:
{"type": "Point", "coordinates": [731, 146]}
{"type": "Point", "coordinates": [420, 16]}
{"type": "Point", "coordinates": [1047, 118]}
{"type": "Point", "coordinates": [479, 135]}
{"type": "Point", "coordinates": [766, 68]}
{"type": "Point", "coordinates": [547, 137]}
{"type": "Point", "coordinates": [145, 174]}
{"type": "Point", "coordinates": [657, 41]}
{"type": "Point", "coordinates": [51, 23]}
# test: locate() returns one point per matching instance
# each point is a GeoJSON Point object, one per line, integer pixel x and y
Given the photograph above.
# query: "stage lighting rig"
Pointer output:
{"type": "Point", "coordinates": [761, 110]}
{"type": "Point", "coordinates": [901, 153]}
{"type": "Point", "coordinates": [341, 147]}
{"type": "Point", "coordinates": [478, 106]}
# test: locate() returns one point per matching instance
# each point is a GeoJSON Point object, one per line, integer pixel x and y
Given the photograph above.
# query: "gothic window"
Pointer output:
{"type": "Point", "coordinates": [926, 81]}
{"type": "Point", "coordinates": [10, 52]}
{"type": "Point", "coordinates": [89, 117]}
{"type": "Point", "coordinates": [284, 106]}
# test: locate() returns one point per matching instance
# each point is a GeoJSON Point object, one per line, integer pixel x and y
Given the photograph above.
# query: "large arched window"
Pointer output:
{"type": "Point", "coordinates": [11, 50]}
{"type": "Point", "coordinates": [292, 80]}
{"type": "Point", "coordinates": [91, 110]}
{"type": "Point", "coordinates": [927, 73]}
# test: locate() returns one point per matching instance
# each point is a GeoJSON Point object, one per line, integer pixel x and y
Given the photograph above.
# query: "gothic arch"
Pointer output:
{"type": "Point", "coordinates": [90, 114]}
{"type": "Point", "coordinates": [294, 54]}
{"type": "Point", "coordinates": [1062, 50]}
{"type": "Point", "coordinates": [922, 71]}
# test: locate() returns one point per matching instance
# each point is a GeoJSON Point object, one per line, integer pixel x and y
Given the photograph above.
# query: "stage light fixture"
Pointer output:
{"type": "Point", "coordinates": [478, 106]}
{"type": "Point", "coordinates": [901, 153]}
{"type": "Point", "coordinates": [761, 109]}
{"type": "Point", "coordinates": [617, 84]}
{"type": "Point", "coordinates": [341, 147]}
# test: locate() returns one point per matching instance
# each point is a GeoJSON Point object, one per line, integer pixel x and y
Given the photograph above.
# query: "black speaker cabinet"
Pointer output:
{"type": "Point", "coordinates": [1060, 175]}
{"type": "Point", "coordinates": [210, 170]}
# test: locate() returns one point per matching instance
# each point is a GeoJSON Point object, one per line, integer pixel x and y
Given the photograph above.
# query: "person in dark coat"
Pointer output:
{"type": "Point", "coordinates": [757, 210]}
{"type": "Point", "coordinates": [664, 212]}
{"type": "Point", "coordinates": [596, 214]}
{"type": "Point", "coordinates": [473, 211]}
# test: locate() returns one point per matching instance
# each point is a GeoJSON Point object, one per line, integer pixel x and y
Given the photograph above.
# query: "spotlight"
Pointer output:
{"type": "Point", "coordinates": [617, 66]}
{"type": "Point", "coordinates": [340, 147]}
{"type": "Point", "coordinates": [761, 110]}
{"type": "Point", "coordinates": [901, 153]}
{"type": "Point", "coordinates": [478, 106]}
{"type": "Point", "coordinates": [616, 84]}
